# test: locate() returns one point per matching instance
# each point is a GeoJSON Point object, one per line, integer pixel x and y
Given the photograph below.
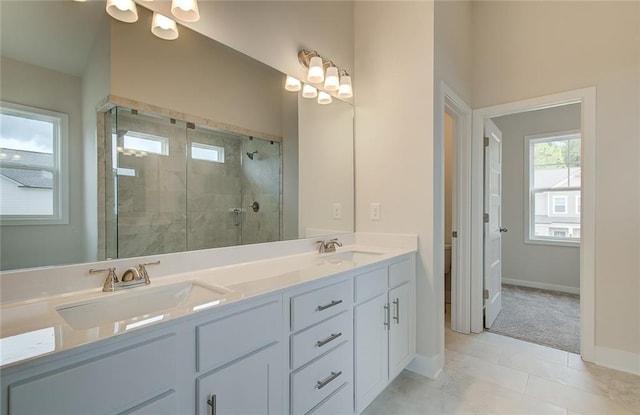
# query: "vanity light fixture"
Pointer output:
{"type": "Point", "coordinates": [345, 90]}
{"type": "Point", "coordinates": [324, 98]}
{"type": "Point", "coordinates": [309, 91]}
{"type": "Point", "coordinates": [332, 80]}
{"type": "Point", "coordinates": [163, 27]}
{"type": "Point", "coordinates": [316, 70]}
{"type": "Point", "coordinates": [292, 84]}
{"type": "Point", "coordinates": [185, 10]}
{"type": "Point", "coordinates": [123, 10]}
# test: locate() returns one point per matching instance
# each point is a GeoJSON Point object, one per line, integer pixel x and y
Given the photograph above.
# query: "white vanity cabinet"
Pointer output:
{"type": "Point", "coordinates": [321, 349]}
{"type": "Point", "coordinates": [384, 327]}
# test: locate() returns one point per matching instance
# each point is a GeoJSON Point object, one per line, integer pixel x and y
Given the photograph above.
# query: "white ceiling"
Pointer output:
{"type": "Point", "coordinates": [55, 34]}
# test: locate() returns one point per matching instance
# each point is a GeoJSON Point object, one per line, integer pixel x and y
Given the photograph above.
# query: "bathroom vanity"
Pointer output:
{"type": "Point", "coordinates": [301, 334]}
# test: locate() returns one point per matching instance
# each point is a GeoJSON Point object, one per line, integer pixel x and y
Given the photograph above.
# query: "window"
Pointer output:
{"type": "Point", "coordinates": [33, 182]}
{"type": "Point", "coordinates": [141, 144]}
{"type": "Point", "coordinates": [206, 152]}
{"type": "Point", "coordinates": [554, 176]}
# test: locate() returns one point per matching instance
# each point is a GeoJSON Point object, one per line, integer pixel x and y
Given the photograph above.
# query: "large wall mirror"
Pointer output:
{"type": "Point", "coordinates": [115, 143]}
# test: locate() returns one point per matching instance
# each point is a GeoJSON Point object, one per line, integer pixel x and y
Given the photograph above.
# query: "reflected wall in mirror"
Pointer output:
{"type": "Point", "coordinates": [71, 57]}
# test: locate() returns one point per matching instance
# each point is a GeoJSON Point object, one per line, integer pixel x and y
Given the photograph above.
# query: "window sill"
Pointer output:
{"type": "Point", "coordinates": [553, 242]}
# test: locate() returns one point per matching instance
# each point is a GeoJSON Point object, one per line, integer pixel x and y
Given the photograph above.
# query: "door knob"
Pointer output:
{"type": "Point", "coordinates": [501, 229]}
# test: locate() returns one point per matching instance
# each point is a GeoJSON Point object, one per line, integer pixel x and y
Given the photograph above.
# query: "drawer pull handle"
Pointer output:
{"type": "Point", "coordinates": [329, 339]}
{"type": "Point", "coordinates": [386, 316]}
{"type": "Point", "coordinates": [331, 304]}
{"type": "Point", "coordinates": [396, 302]}
{"type": "Point", "coordinates": [322, 383]}
{"type": "Point", "coordinates": [212, 403]}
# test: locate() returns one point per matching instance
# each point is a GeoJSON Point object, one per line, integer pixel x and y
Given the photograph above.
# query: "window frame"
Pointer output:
{"type": "Point", "coordinates": [530, 192]}
{"type": "Point", "coordinates": [553, 204]}
{"type": "Point", "coordinates": [207, 147]}
{"type": "Point", "coordinates": [60, 215]}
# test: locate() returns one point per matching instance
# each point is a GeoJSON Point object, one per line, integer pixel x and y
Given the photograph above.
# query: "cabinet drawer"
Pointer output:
{"type": "Point", "coordinates": [228, 338]}
{"type": "Point", "coordinates": [317, 305]}
{"type": "Point", "coordinates": [313, 383]}
{"type": "Point", "coordinates": [164, 404]}
{"type": "Point", "coordinates": [340, 403]}
{"type": "Point", "coordinates": [401, 272]}
{"type": "Point", "coordinates": [311, 343]}
{"type": "Point", "coordinates": [107, 384]}
{"type": "Point", "coordinates": [371, 284]}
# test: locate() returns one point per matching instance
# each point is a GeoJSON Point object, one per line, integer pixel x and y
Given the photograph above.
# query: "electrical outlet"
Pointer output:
{"type": "Point", "coordinates": [337, 210]}
{"type": "Point", "coordinates": [374, 211]}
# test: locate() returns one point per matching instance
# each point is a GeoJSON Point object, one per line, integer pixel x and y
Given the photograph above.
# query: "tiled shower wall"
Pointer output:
{"type": "Point", "coordinates": [175, 203]}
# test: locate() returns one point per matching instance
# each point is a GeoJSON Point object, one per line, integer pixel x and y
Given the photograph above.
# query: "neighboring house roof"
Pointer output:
{"type": "Point", "coordinates": [553, 178]}
{"type": "Point", "coordinates": [21, 166]}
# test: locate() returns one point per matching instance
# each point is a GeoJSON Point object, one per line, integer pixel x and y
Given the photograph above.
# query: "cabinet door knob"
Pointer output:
{"type": "Point", "coordinates": [212, 402]}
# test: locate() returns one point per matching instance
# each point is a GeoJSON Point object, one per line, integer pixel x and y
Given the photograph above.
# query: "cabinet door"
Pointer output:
{"type": "Point", "coordinates": [249, 386]}
{"type": "Point", "coordinates": [399, 334]}
{"type": "Point", "coordinates": [371, 348]}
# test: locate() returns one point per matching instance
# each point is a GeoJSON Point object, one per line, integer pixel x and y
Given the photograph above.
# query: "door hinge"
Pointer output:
{"type": "Point", "coordinates": [485, 218]}
{"type": "Point", "coordinates": [486, 141]}
{"type": "Point", "coordinates": [485, 294]}
{"type": "Point", "coordinates": [454, 234]}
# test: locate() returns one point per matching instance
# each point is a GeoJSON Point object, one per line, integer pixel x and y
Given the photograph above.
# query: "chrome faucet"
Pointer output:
{"type": "Point", "coordinates": [328, 246]}
{"type": "Point", "coordinates": [131, 277]}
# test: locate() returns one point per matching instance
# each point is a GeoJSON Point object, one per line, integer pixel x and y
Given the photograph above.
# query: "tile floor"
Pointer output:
{"type": "Point", "coordinates": [491, 374]}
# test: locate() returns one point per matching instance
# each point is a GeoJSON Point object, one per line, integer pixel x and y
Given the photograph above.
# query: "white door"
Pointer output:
{"type": "Point", "coordinates": [493, 227]}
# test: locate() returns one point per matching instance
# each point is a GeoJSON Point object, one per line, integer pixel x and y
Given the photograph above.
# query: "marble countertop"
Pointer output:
{"type": "Point", "coordinates": [34, 328]}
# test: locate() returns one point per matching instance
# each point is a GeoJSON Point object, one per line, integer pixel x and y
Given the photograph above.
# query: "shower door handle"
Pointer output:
{"type": "Point", "coordinates": [236, 217]}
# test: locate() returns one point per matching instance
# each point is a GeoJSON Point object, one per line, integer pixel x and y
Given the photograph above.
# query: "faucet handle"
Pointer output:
{"type": "Point", "coordinates": [110, 282]}
{"type": "Point", "coordinates": [322, 247]}
{"type": "Point", "coordinates": [142, 270]}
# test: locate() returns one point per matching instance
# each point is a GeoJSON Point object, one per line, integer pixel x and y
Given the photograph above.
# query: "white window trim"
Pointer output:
{"type": "Point", "coordinates": [202, 146]}
{"type": "Point", "coordinates": [529, 196]}
{"type": "Point", "coordinates": [578, 204]}
{"type": "Point", "coordinates": [553, 205]}
{"type": "Point", "coordinates": [60, 214]}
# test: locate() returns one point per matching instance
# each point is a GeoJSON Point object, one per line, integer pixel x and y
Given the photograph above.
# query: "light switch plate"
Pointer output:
{"type": "Point", "coordinates": [337, 210]}
{"type": "Point", "coordinates": [374, 211]}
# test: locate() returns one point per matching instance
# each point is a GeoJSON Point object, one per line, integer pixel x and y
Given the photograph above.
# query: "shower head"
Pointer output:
{"type": "Point", "coordinates": [251, 154]}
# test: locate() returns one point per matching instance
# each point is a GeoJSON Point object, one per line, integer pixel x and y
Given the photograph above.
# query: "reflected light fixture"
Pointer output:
{"type": "Point", "coordinates": [345, 90]}
{"type": "Point", "coordinates": [123, 10]}
{"type": "Point", "coordinates": [332, 80]}
{"type": "Point", "coordinates": [324, 98]}
{"type": "Point", "coordinates": [308, 91]}
{"type": "Point", "coordinates": [185, 10]}
{"type": "Point", "coordinates": [292, 84]}
{"type": "Point", "coordinates": [163, 27]}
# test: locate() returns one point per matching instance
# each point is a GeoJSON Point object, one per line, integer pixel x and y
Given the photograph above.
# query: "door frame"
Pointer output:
{"type": "Point", "coordinates": [587, 98]}
{"type": "Point", "coordinates": [450, 102]}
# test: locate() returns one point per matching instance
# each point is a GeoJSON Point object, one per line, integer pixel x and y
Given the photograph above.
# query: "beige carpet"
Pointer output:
{"type": "Point", "coordinates": [544, 317]}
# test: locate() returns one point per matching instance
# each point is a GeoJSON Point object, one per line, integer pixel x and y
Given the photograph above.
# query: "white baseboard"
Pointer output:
{"type": "Point", "coordinates": [430, 367]}
{"type": "Point", "coordinates": [617, 359]}
{"type": "Point", "coordinates": [542, 286]}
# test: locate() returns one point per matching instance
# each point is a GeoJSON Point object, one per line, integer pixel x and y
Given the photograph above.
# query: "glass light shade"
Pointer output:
{"type": "Point", "coordinates": [316, 71]}
{"type": "Point", "coordinates": [292, 84]}
{"type": "Point", "coordinates": [345, 90]}
{"type": "Point", "coordinates": [185, 10]}
{"type": "Point", "coordinates": [309, 91]}
{"type": "Point", "coordinates": [163, 27]}
{"type": "Point", "coordinates": [332, 80]}
{"type": "Point", "coordinates": [123, 10]}
{"type": "Point", "coordinates": [324, 98]}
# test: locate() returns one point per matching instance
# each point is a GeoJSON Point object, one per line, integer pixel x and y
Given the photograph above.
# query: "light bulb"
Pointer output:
{"type": "Point", "coordinates": [123, 10]}
{"type": "Point", "coordinates": [309, 91]}
{"type": "Point", "coordinates": [332, 81]}
{"type": "Point", "coordinates": [345, 90]}
{"type": "Point", "coordinates": [324, 98]}
{"type": "Point", "coordinates": [185, 10]}
{"type": "Point", "coordinates": [316, 71]}
{"type": "Point", "coordinates": [163, 27]}
{"type": "Point", "coordinates": [292, 84]}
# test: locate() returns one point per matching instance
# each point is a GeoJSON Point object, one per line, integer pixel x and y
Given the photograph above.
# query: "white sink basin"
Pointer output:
{"type": "Point", "coordinates": [139, 306]}
{"type": "Point", "coordinates": [353, 256]}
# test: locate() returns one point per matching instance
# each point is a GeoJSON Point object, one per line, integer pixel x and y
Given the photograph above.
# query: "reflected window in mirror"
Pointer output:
{"type": "Point", "coordinates": [141, 144]}
{"type": "Point", "coordinates": [207, 152]}
{"type": "Point", "coordinates": [33, 180]}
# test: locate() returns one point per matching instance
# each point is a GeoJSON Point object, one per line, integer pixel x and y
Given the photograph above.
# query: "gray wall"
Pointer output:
{"type": "Point", "coordinates": [525, 263]}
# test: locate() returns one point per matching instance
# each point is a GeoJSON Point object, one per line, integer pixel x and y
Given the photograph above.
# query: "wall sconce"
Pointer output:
{"type": "Point", "coordinates": [292, 84]}
{"type": "Point", "coordinates": [123, 10]}
{"type": "Point", "coordinates": [163, 27]}
{"type": "Point", "coordinates": [335, 79]}
{"type": "Point", "coordinates": [185, 10]}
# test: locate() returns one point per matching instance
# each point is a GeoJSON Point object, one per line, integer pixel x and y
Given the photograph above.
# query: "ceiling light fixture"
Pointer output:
{"type": "Point", "coordinates": [123, 10]}
{"type": "Point", "coordinates": [185, 10]}
{"type": "Point", "coordinates": [163, 27]}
